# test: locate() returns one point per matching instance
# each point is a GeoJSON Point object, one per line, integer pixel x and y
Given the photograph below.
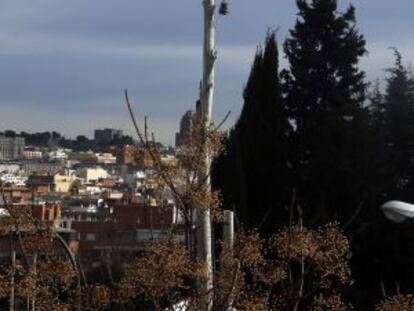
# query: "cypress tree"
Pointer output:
{"type": "Point", "coordinates": [325, 93]}
{"type": "Point", "coordinates": [253, 171]}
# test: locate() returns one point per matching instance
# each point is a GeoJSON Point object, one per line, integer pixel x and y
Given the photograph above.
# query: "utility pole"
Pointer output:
{"type": "Point", "coordinates": [203, 220]}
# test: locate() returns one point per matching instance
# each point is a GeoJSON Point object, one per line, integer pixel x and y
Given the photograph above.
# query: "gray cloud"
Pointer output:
{"type": "Point", "coordinates": [64, 64]}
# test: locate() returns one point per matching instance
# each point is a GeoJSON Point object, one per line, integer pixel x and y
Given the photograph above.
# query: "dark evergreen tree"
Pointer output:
{"type": "Point", "coordinates": [369, 266]}
{"type": "Point", "coordinates": [382, 251]}
{"type": "Point", "coordinates": [82, 143]}
{"type": "Point", "coordinates": [124, 140]}
{"type": "Point", "coordinates": [383, 178]}
{"type": "Point", "coordinates": [10, 133]}
{"type": "Point", "coordinates": [252, 173]}
{"type": "Point", "coordinates": [325, 94]}
{"type": "Point", "coordinates": [399, 121]}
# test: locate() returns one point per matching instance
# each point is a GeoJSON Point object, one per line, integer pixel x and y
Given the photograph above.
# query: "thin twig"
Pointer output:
{"type": "Point", "coordinates": [228, 301]}
{"type": "Point", "coordinates": [383, 292]}
{"type": "Point", "coordinates": [291, 206]}
{"type": "Point", "coordinates": [224, 120]}
{"type": "Point", "coordinates": [354, 215]}
{"type": "Point", "coordinates": [167, 179]}
{"type": "Point", "coordinates": [302, 268]}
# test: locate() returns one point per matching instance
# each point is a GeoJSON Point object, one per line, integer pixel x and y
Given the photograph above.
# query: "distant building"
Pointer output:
{"type": "Point", "coordinates": [106, 136]}
{"type": "Point", "coordinates": [32, 154]}
{"type": "Point", "coordinates": [144, 159]}
{"type": "Point", "coordinates": [13, 179]}
{"type": "Point", "coordinates": [135, 157]}
{"type": "Point", "coordinates": [92, 174]}
{"type": "Point", "coordinates": [168, 159]}
{"type": "Point", "coordinates": [9, 168]}
{"type": "Point", "coordinates": [186, 128]}
{"type": "Point", "coordinates": [41, 184]}
{"type": "Point", "coordinates": [123, 229]}
{"type": "Point", "coordinates": [83, 157]}
{"type": "Point", "coordinates": [105, 158]}
{"type": "Point", "coordinates": [45, 213]}
{"type": "Point", "coordinates": [16, 195]}
{"type": "Point", "coordinates": [11, 148]}
{"type": "Point", "coordinates": [64, 180]}
{"type": "Point", "coordinates": [48, 213]}
{"type": "Point", "coordinates": [127, 154]}
{"type": "Point", "coordinates": [58, 155]}
{"type": "Point", "coordinates": [41, 168]}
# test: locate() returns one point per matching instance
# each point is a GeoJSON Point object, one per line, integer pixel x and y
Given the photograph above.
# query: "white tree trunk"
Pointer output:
{"type": "Point", "coordinates": [203, 226]}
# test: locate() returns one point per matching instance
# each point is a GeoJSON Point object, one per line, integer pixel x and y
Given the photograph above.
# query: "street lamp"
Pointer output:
{"type": "Point", "coordinates": [398, 211]}
{"type": "Point", "coordinates": [224, 8]}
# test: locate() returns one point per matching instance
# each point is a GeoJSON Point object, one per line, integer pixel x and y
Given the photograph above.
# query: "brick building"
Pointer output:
{"type": "Point", "coordinates": [123, 230]}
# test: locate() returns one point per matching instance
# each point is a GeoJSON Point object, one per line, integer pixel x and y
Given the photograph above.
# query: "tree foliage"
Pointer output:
{"type": "Point", "coordinates": [255, 165]}
{"type": "Point", "coordinates": [399, 121]}
{"type": "Point", "coordinates": [325, 91]}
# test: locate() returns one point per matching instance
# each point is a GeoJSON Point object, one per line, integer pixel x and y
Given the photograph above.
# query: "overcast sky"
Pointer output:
{"type": "Point", "coordinates": [64, 64]}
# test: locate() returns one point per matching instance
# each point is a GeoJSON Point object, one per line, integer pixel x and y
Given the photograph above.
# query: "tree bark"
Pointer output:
{"type": "Point", "coordinates": [203, 222]}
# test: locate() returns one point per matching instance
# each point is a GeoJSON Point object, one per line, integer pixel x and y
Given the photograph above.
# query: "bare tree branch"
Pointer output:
{"type": "Point", "coordinates": [223, 121]}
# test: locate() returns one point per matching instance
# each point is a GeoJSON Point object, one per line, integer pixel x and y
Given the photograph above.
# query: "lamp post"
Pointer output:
{"type": "Point", "coordinates": [398, 211]}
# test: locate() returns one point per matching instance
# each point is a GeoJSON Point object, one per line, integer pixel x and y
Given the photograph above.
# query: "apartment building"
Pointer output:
{"type": "Point", "coordinates": [11, 148]}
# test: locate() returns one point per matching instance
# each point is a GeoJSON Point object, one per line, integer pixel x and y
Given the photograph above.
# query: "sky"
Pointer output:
{"type": "Point", "coordinates": [64, 64]}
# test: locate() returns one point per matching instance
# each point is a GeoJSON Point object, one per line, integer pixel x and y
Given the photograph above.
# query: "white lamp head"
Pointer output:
{"type": "Point", "coordinates": [398, 211]}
